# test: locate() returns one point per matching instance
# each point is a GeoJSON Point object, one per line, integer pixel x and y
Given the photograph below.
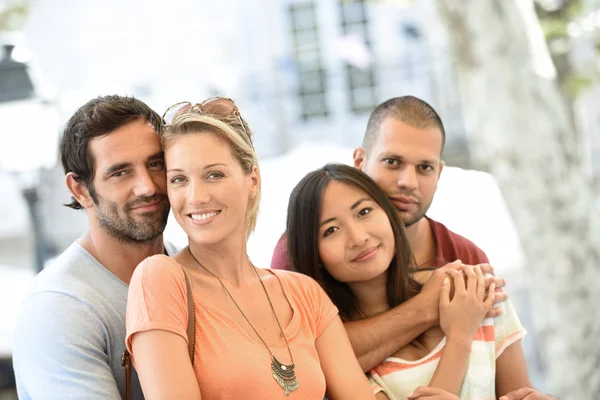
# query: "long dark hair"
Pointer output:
{"type": "Point", "coordinates": [303, 238]}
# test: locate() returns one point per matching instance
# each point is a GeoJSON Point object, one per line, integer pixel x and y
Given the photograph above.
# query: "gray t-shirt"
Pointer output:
{"type": "Point", "coordinates": [70, 333]}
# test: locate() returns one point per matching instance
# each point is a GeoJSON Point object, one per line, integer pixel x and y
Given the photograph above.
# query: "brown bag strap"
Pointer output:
{"type": "Point", "coordinates": [191, 326]}
{"type": "Point", "coordinates": [126, 363]}
{"type": "Point", "coordinates": [191, 334]}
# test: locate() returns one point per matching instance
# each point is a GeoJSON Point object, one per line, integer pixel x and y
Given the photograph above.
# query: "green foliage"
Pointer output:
{"type": "Point", "coordinates": [554, 27]}
{"type": "Point", "coordinates": [555, 24]}
{"type": "Point", "coordinates": [573, 85]}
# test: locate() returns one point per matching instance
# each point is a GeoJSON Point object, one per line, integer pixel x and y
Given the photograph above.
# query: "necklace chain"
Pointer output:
{"type": "Point", "coordinates": [244, 315]}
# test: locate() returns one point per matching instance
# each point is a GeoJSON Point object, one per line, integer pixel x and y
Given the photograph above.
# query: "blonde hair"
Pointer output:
{"type": "Point", "coordinates": [230, 130]}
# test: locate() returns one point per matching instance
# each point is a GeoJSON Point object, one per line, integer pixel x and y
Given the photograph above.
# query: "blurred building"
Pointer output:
{"type": "Point", "coordinates": [314, 70]}
{"type": "Point", "coordinates": [301, 70]}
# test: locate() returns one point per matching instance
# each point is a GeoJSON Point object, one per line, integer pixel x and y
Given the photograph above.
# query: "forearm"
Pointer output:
{"type": "Point", "coordinates": [452, 367]}
{"type": "Point", "coordinates": [342, 373]}
{"type": "Point", "coordinates": [511, 370]}
{"type": "Point", "coordinates": [376, 338]}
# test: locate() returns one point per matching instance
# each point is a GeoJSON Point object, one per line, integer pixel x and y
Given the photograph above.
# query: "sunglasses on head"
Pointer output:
{"type": "Point", "coordinates": [220, 107]}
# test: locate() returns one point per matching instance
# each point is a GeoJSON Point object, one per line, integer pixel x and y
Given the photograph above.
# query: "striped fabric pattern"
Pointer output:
{"type": "Point", "coordinates": [397, 378]}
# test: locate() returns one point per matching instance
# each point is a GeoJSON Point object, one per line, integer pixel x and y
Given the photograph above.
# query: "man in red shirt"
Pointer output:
{"type": "Point", "coordinates": [402, 151]}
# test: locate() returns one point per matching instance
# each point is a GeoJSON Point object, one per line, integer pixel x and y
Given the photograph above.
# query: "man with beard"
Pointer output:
{"type": "Point", "coordinates": [401, 151]}
{"type": "Point", "coordinates": [70, 333]}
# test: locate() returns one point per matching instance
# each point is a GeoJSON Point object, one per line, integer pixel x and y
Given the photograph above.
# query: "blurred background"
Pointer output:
{"type": "Point", "coordinates": [306, 75]}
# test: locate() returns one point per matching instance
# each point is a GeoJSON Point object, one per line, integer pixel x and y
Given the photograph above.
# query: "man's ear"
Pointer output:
{"type": "Point", "coordinates": [359, 157]}
{"type": "Point", "coordinates": [79, 191]}
{"type": "Point", "coordinates": [442, 163]}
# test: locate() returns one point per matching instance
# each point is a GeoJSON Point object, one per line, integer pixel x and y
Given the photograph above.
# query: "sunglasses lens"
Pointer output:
{"type": "Point", "coordinates": [172, 112]}
{"type": "Point", "coordinates": [221, 108]}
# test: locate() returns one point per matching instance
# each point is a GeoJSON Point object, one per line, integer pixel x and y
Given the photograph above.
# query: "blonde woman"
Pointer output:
{"type": "Point", "coordinates": [259, 334]}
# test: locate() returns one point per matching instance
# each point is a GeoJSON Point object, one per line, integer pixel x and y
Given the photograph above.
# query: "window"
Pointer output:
{"type": "Point", "coordinates": [361, 85]}
{"type": "Point", "coordinates": [312, 79]}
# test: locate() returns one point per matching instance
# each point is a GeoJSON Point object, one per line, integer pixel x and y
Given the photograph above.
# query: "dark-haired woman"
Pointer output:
{"type": "Point", "coordinates": [344, 232]}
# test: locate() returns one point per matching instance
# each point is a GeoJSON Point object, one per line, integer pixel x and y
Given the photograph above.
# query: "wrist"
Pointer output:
{"type": "Point", "coordinates": [428, 311]}
{"type": "Point", "coordinates": [460, 341]}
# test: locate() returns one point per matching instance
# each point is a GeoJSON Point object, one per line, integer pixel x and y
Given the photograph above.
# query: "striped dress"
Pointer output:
{"type": "Point", "coordinates": [397, 378]}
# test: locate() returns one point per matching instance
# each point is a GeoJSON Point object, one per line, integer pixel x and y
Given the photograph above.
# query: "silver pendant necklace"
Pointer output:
{"type": "Point", "coordinates": [282, 373]}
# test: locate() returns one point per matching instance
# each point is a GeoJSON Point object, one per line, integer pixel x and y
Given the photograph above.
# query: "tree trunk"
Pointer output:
{"type": "Point", "coordinates": [519, 130]}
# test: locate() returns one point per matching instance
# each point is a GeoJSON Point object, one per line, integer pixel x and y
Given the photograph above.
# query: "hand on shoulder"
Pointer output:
{"type": "Point", "coordinates": [430, 292]}
{"type": "Point", "coordinates": [461, 313]}
{"type": "Point", "coordinates": [500, 296]}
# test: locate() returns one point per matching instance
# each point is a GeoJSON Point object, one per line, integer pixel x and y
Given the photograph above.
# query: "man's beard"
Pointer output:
{"type": "Point", "coordinates": [126, 227]}
{"type": "Point", "coordinates": [411, 219]}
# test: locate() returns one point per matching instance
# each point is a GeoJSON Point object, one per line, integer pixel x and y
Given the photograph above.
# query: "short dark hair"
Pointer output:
{"type": "Point", "coordinates": [96, 118]}
{"type": "Point", "coordinates": [303, 238]}
{"type": "Point", "coordinates": [408, 109]}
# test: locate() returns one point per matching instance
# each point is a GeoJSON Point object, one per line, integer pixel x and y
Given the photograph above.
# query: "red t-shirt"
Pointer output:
{"type": "Point", "coordinates": [450, 246]}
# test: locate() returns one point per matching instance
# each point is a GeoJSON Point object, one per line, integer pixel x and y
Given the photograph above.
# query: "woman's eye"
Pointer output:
{"type": "Point", "coordinates": [329, 231]}
{"type": "Point", "coordinates": [364, 211]}
{"type": "Point", "coordinates": [176, 179]}
{"type": "Point", "coordinates": [215, 175]}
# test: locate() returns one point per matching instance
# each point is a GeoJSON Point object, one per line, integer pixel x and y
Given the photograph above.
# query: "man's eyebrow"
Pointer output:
{"type": "Point", "coordinates": [399, 157]}
{"type": "Point", "coordinates": [160, 155]}
{"type": "Point", "coordinates": [392, 155]}
{"type": "Point", "coordinates": [116, 167]}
